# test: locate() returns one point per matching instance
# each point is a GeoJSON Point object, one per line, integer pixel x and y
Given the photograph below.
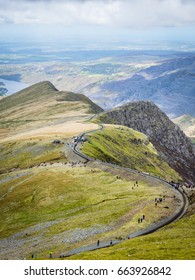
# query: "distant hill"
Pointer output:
{"type": "Point", "coordinates": [172, 144]}
{"type": "Point", "coordinates": [187, 124]}
{"type": "Point", "coordinates": [170, 84]}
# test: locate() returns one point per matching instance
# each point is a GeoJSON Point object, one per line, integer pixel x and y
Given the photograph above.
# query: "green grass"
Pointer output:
{"type": "Point", "coordinates": [127, 147]}
{"type": "Point", "coordinates": [27, 153]}
{"type": "Point", "coordinates": [174, 242]}
{"type": "Point", "coordinates": [74, 200]}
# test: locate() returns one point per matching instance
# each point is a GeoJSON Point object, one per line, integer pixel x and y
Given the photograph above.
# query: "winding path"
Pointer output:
{"type": "Point", "coordinates": [149, 229]}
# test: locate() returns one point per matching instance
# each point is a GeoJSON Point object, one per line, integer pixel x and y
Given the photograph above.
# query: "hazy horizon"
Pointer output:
{"type": "Point", "coordinates": [149, 24]}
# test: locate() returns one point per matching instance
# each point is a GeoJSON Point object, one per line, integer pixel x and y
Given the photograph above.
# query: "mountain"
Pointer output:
{"type": "Point", "coordinates": [30, 120]}
{"type": "Point", "coordinates": [46, 205]}
{"type": "Point", "coordinates": [170, 84]}
{"type": "Point", "coordinates": [44, 93]}
{"type": "Point", "coordinates": [41, 105]}
{"type": "Point", "coordinates": [171, 143]}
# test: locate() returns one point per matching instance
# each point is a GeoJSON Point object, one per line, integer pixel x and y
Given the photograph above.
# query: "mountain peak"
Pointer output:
{"type": "Point", "coordinates": [42, 86]}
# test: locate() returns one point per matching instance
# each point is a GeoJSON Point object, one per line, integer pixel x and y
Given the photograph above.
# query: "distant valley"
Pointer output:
{"type": "Point", "coordinates": [170, 84]}
{"type": "Point", "coordinates": [109, 78]}
{"type": "Point", "coordinates": [187, 124]}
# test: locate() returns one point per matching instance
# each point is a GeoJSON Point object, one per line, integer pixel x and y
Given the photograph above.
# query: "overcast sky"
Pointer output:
{"type": "Point", "coordinates": [128, 16]}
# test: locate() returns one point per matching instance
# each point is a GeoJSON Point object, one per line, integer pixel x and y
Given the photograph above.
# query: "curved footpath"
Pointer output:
{"type": "Point", "coordinates": [149, 229]}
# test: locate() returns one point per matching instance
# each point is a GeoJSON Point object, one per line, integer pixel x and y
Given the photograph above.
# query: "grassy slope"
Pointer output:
{"type": "Point", "coordinates": [41, 105]}
{"type": "Point", "coordinates": [129, 148]}
{"type": "Point", "coordinates": [27, 153]}
{"type": "Point", "coordinates": [174, 242]}
{"type": "Point", "coordinates": [38, 115]}
{"type": "Point", "coordinates": [44, 93]}
{"type": "Point", "coordinates": [73, 200]}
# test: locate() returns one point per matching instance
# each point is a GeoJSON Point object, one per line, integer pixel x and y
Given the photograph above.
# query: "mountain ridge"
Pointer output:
{"type": "Point", "coordinates": [41, 109]}
{"type": "Point", "coordinates": [39, 91]}
{"type": "Point", "coordinates": [170, 141]}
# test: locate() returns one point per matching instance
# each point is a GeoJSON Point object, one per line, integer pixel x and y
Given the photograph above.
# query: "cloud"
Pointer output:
{"type": "Point", "coordinates": [114, 13]}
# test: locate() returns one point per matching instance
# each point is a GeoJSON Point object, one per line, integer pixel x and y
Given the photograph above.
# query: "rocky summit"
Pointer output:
{"type": "Point", "coordinates": [172, 144]}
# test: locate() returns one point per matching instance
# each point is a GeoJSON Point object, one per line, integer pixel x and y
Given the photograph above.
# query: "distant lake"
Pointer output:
{"type": "Point", "coordinates": [12, 86]}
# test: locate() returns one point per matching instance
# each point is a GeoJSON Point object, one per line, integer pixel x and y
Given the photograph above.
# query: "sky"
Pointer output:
{"type": "Point", "coordinates": [103, 20]}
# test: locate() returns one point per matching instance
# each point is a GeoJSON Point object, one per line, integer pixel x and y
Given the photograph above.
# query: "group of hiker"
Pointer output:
{"type": "Point", "coordinates": [135, 185]}
{"type": "Point", "coordinates": [141, 219]}
{"type": "Point", "coordinates": [159, 200]}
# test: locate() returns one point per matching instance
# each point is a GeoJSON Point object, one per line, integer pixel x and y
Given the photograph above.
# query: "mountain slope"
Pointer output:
{"type": "Point", "coordinates": [172, 144]}
{"type": "Point", "coordinates": [170, 84]}
{"type": "Point", "coordinates": [44, 92]}
{"type": "Point", "coordinates": [126, 147]}
{"type": "Point", "coordinates": [46, 204]}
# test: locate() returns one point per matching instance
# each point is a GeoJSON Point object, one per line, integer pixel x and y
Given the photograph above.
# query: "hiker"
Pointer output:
{"type": "Point", "coordinates": [111, 242]}
{"type": "Point", "coordinates": [143, 217]}
{"type": "Point", "coordinates": [50, 255]}
{"type": "Point", "coordinates": [98, 243]}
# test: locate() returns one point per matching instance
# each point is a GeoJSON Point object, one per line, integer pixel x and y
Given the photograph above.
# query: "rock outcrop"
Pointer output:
{"type": "Point", "coordinates": [172, 144]}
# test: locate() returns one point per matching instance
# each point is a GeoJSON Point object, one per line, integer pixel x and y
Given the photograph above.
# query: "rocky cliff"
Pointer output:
{"type": "Point", "coordinates": [172, 144]}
